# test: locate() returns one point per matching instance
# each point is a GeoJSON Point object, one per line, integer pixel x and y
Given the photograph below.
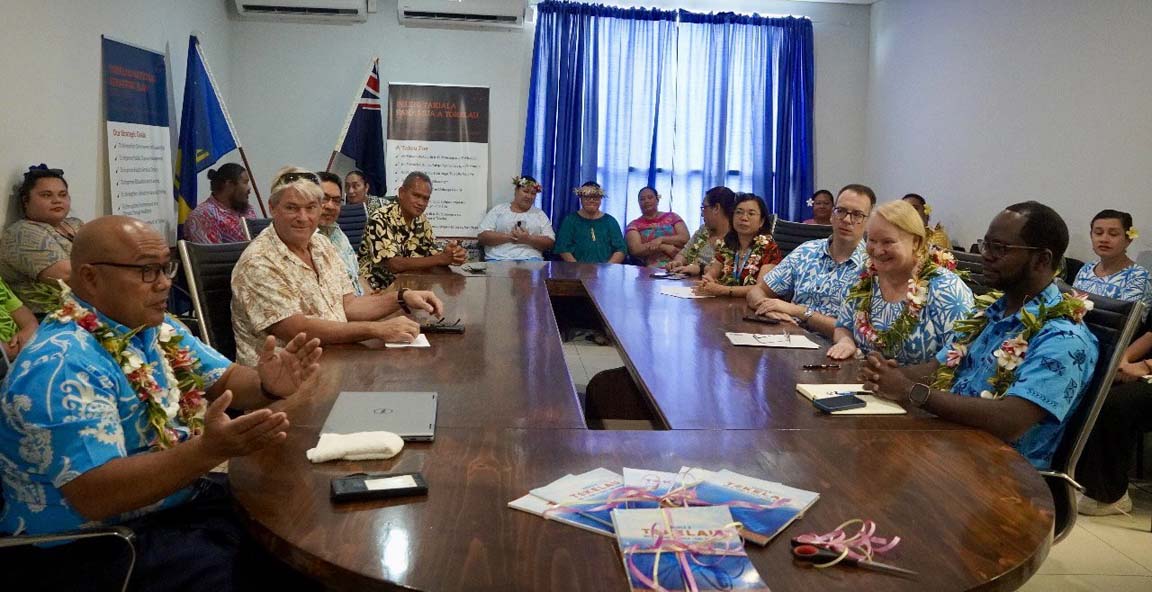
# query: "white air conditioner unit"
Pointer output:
{"type": "Point", "coordinates": [467, 14]}
{"type": "Point", "coordinates": [308, 11]}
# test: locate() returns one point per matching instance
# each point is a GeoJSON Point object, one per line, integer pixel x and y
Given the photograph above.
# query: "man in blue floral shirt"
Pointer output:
{"type": "Point", "coordinates": [816, 276]}
{"type": "Point", "coordinates": [1017, 377]}
{"type": "Point", "coordinates": [103, 425]}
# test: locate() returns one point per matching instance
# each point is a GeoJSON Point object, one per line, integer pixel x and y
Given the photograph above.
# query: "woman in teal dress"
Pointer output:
{"type": "Point", "coordinates": [590, 235]}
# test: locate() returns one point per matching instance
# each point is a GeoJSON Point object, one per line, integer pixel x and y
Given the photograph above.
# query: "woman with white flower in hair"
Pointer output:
{"type": "Point", "coordinates": [904, 305]}
{"type": "Point", "coordinates": [1115, 274]}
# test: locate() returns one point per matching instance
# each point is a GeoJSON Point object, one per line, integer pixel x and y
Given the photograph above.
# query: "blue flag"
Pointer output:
{"type": "Point", "coordinates": [206, 133]}
{"type": "Point", "coordinates": [363, 137]}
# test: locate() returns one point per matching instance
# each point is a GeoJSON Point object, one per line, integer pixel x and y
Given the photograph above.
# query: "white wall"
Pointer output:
{"type": "Point", "coordinates": [293, 83]}
{"type": "Point", "coordinates": [51, 106]}
{"type": "Point", "coordinates": [984, 103]}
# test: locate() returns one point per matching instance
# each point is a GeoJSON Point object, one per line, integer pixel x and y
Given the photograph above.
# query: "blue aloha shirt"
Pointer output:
{"type": "Point", "coordinates": [811, 277]}
{"type": "Point", "coordinates": [949, 300]}
{"type": "Point", "coordinates": [347, 254]}
{"type": "Point", "coordinates": [1056, 370]}
{"type": "Point", "coordinates": [67, 408]}
{"type": "Point", "coordinates": [1130, 284]}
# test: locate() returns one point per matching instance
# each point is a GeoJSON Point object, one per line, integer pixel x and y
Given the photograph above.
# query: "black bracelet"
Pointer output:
{"type": "Point", "coordinates": [400, 301]}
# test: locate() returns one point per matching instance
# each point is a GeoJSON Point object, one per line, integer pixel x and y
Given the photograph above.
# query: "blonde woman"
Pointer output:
{"type": "Point", "coordinates": [903, 306]}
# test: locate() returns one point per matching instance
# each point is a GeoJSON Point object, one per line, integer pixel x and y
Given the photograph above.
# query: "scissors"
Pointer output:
{"type": "Point", "coordinates": [814, 554]}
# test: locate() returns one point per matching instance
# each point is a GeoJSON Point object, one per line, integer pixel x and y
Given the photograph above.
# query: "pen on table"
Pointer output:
{"type": "Point", "coordinates": [821, 366]}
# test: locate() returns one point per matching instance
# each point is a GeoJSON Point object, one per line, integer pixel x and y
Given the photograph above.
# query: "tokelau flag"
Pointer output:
{"type": "Point", "coordinates": [206, 131]}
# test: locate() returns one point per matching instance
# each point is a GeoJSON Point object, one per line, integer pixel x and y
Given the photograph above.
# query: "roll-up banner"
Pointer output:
{"type": "Point", "coordinates": [443, 132]}
{"type": "Point", "coordinates": [139, 144]}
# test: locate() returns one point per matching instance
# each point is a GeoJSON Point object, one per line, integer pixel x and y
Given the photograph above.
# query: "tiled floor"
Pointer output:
{"type": "Point", "coordinates": [1107, 554]}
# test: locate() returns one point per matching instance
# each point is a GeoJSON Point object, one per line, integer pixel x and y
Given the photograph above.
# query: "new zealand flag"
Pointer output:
{"type": "Point", "coordinates": [363, 137]}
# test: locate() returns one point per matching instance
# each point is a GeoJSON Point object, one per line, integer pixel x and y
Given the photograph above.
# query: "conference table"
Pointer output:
{"type": "Point", "coordinates": [971, 513]}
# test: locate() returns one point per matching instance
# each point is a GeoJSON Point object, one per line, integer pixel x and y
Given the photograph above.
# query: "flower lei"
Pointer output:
{"type": "Point", "coordinates": [185, 402]}
{"type": "Point", "coordinates": [944, 258]}
{"type": "Point", "coordinates": [889, 340]}
{"type": "Point", "coordinates": [1073, 306]}
{"type": "Point", "coordinates": [751, 266]}
{"type": "Point", "coordinates": [526, 183]}
{"type": "Point", "coordinates": [588, 191]}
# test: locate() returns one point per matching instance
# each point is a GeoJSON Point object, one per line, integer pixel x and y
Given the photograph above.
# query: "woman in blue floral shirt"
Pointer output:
{"type": "Point", "coordinates": [745, 255]}
{"type": "Point", "coordinates": [1114, 275]}
{"type": "Point", "coordinates": [904, 305]}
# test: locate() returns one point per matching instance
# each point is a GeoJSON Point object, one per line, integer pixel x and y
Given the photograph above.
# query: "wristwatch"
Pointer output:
{"type": "Point", "coordinates": [400, 301]}
{"type": "Point", "coordinates": [918, 394]}
{"type": "Point", "coordinates": [808, 312]}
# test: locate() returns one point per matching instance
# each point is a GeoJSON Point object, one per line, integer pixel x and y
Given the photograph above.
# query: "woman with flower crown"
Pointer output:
{"type": "Point", "coordinates": [904, 304]}
{"type": "Point", "coordinates": [746, 254]}
{"type": "Point", "coordinates": [1115, 274]}
{"type": "Point", "coordinates": [590, 235]}
{"type": "Point", "coordinates": [517, 230]}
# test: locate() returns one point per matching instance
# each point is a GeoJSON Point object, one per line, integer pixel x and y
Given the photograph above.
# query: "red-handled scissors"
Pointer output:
{"type": "Point", "coordinates": [814, 554]}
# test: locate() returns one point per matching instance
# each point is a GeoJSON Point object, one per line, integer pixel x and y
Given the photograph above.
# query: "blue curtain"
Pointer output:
{"type": "Point", "coordinates": [672, 99]}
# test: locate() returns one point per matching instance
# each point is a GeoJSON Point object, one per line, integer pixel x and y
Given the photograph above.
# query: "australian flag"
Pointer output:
{"type": "Point", "coordinates": [363, 137]}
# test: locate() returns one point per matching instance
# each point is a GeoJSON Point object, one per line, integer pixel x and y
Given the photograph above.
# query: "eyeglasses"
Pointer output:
{"type": "Point", "coordinates": [149, 272]}
{"type": "Point", "coordinates": [853, 216]}
{"type": "Point", "coordinates": [997, 250]}
{"type": "Point", "coordinates": [592, 197]}
{"type": "Point", "coordinates": [287, 178]}
{"type": "Point", "coordinates": [335, 199]}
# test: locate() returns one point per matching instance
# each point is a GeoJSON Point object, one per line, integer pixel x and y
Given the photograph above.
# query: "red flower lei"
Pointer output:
{"type": "Point", "coordinates": [180, 367]}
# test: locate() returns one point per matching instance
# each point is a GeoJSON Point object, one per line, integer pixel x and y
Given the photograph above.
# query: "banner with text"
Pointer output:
{"type": "Point", "coordinates": [139, 143]}
{"type": "Point", "coordinates": [443, 132]}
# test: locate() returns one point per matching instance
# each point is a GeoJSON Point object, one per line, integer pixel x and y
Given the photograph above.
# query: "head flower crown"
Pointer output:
{"type": "Point", "coordinates": [589, 191]}
{"type": "Point", "coordinates": [1132, 233]}
{"type": "Point", "coordinates": [526, 183]}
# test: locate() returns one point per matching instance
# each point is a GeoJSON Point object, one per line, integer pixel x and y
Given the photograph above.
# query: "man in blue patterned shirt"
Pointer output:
{"type": "Point", "coordinates": [78, 446]}
{"type": "Point", "coordinates": [816, 276]}
{"type": "Point", "coordinates": [1021, 249]}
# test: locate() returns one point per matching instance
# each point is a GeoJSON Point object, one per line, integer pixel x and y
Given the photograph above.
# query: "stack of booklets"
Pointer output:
{"type": "Point", "coordinates": [683, 549]}
{"type": "Point", "coordinates": [587, 500]}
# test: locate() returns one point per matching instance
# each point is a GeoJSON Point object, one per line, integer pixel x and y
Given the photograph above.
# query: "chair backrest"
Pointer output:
{"type": "Point", "coordinates": [790, 235]}
{"type": "Point", "coordinates": [209, 272]}
{"type": "Point", "coordinates": [1113, 322]}
{"type": "Point", "coordinates": [973, 264]}
{"type": "Point", "coordinates": [352, 220]}
{"type": "Point", "coordinates": [254, 226]}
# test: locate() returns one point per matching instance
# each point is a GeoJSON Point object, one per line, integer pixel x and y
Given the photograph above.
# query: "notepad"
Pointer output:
{"type": "Point", "coordinates": [873, 404]}
{"type": "Point", "coordinates": [420, 341]}
{"type": "Point", "coordinates": [772, 340]}
{"type": "Point", "coordinates": [682, 292]}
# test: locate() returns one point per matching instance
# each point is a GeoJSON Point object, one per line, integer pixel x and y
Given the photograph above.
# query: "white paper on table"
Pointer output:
{"type": "Point", "coordinates": [420, 341]}
{"type": "Point", "coordinates": [682, 292]}
{"type": "Point", "coordinates": [772, 340]}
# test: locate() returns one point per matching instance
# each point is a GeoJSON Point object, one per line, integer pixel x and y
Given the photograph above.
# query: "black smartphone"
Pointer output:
{"type": "Point", "coordinates": [666, 275]}
{"type": "Point", "coordinates": [755, 318]}
{"type": "Point", "coordinates": [456, 327]}
{"type": "Point", "coordinates": [839, 403]}
{"type": "Point", "coordinates": [365, 486]}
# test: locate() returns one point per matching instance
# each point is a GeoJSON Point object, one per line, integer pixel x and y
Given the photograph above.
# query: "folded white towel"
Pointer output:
{"type": "Point", "coordinates": [358, 446]}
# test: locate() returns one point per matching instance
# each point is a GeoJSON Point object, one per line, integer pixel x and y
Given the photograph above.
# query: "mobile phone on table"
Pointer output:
{"type": "Point", "coordinates": [839, 403]}
{"type": "Point", "coordinates": [365, 486]}
{"type": "Point", "coordinates": [755, 318]}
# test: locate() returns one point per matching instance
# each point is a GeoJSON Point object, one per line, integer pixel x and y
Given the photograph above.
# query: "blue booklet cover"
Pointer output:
{"type": "Point", "coordinates": [586, 493]}
{"type": "Point", "coordinates": [540, 507]}
{"type": "Point", "coordinates": [763, 507]}
{"type": "Point", "coordinates": [698, 546]}
{"type": "Point", "coordinates": [656, 484]}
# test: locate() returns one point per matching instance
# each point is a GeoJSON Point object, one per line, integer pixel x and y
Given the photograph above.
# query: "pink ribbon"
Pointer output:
{"type": "Point", "coordinates": [861, 546]}
{"type": "Point", "coordinates": [683, 551]}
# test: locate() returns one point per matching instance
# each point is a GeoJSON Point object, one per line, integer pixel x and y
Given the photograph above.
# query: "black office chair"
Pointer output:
{"type": "Point", "coordinates": [1071, 267]}
{"type": "Point", "coordinates": [253, 227]}
{"type": "Point", "coordinates": [790, 235]}
{"type": "Point", "coordinates": [209, 272]}
{"type": "Point", "coordinates": [1113, 322]}
{"type": "Point", "coordinates": [973, 265]}
{"type": "Point", "coordinates": [352, 220]}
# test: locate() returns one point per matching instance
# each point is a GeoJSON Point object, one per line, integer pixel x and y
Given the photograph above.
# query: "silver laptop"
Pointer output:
{"type": "Point", "coordinates": [410, 415]}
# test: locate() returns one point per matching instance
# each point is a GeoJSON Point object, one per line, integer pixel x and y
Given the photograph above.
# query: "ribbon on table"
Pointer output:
{"type": "Point", "coordinates": [670, 542]}
{"type": "Point", "coordinates": [861, 546]}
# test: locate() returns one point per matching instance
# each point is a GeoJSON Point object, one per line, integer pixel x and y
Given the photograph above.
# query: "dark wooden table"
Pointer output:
{"type": "Point", "coordinates": [972, 512]}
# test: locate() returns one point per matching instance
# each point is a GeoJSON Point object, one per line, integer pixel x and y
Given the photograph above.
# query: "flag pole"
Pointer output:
{"type": "Point", "coordinates": [231, 127]}
{"type": "Point", "coordinates": [331, 159]}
